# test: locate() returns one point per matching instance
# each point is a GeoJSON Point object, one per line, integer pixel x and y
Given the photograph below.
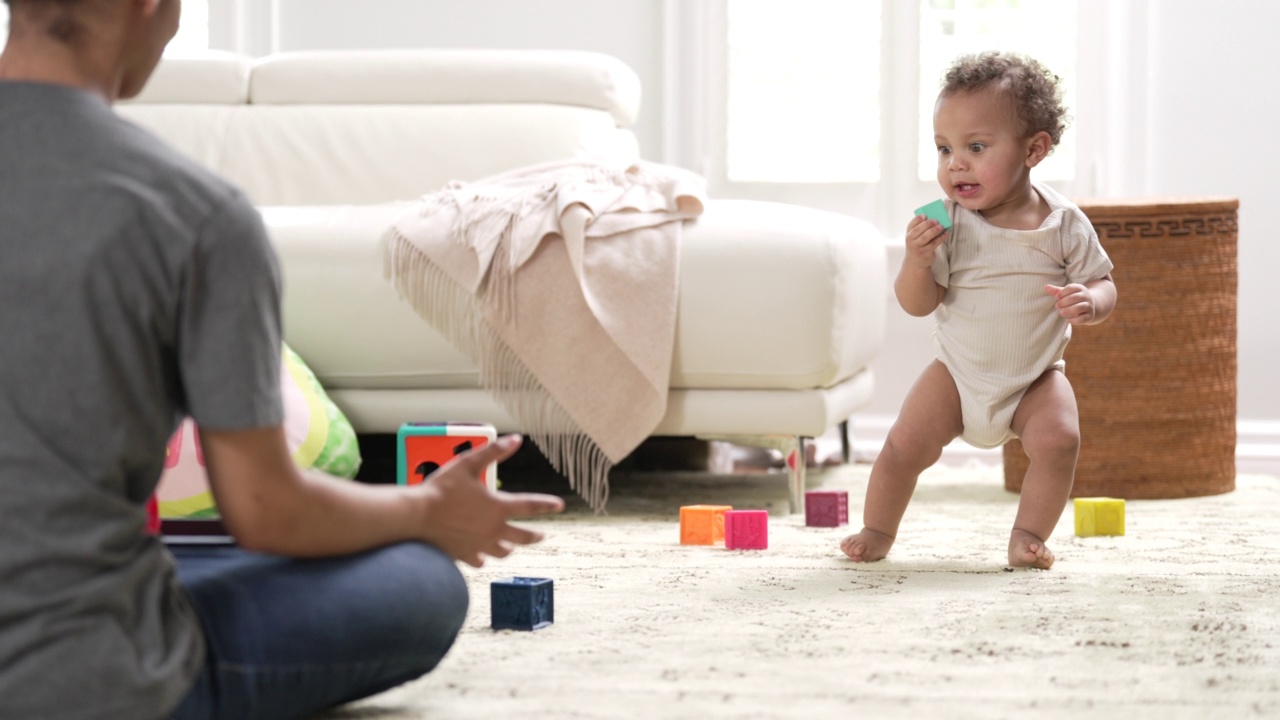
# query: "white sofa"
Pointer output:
{"type": "Point", "coordinates": [781, 308]}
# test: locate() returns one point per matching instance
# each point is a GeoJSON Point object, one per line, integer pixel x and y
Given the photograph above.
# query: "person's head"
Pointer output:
{"type": "Point", "coordinates": [111, 46]}
{"type": "Point", "coordinates": [998, 115]}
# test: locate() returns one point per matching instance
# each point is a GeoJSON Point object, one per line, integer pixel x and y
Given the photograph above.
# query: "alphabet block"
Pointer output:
{"type": "Point", "coordinates": [746, 529]}
{"type": "Point", "coordinates": [936, 210]}
{"type": "Point", "coordinates": [702, 524]}
{"type": "Point", "coordinates": [826, 508]}
{"type": "Point", "coordinates": [1099, 516]}
{"type": "Point", "coordinates": [522, 603]}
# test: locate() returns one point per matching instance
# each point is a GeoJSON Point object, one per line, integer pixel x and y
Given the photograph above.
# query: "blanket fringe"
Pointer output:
{"type": "Point", "coordinates": [458, 314]}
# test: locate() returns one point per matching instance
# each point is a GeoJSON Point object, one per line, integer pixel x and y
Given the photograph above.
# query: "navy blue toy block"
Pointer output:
{"type": "Point", "coordinates": [522, 603]}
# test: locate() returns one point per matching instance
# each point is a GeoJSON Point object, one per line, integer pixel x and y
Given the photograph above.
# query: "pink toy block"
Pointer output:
{"type": "Point", "coordinates": [746, 529]}
{"type": "Point", "coordinates": [826, 508]}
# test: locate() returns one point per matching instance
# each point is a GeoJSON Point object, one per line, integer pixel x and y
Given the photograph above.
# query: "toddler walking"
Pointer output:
{"type": "Point", "coordinates": [1020, 265]}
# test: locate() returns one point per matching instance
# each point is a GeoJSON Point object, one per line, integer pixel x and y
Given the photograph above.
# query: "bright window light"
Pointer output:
{"type": "Point", "coordinates": [193, 29]}
{"type": "Point", "coordinates": [1043, 29]}
{"type": "Point", "coordinates": [803, 91]}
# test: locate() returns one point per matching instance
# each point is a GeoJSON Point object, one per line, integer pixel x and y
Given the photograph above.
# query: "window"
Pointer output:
{"type": "Point", "coordinates": [804, 87]}
{"type": "Point", "coordinates": [193, 29]}
{"type": "Point", "coordinates": [1043, 30]}
{"type": "Point", "coordinates": [829, 103]}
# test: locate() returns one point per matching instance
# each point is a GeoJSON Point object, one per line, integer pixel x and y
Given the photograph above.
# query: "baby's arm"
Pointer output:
{"type": "Point", "coordinates": [917, 292]}
{"type": "Point", "coordinates": [1087, 304]}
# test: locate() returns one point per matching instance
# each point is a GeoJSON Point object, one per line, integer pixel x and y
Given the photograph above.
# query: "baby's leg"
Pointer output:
{"type": "Point", "coordinates": [1048, 424]}
{"type": "Point", "coordinates": [930, 418]}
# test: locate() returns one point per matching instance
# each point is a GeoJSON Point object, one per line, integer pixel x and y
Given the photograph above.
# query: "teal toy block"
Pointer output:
{"type": "Point", "coordinates": [936, 210]}
{"type": "Point", "coordinates": [423, 447]}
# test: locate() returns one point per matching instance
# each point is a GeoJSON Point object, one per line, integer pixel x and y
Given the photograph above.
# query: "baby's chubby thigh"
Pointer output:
{"type": "Point", "coordinates": [930, 417]}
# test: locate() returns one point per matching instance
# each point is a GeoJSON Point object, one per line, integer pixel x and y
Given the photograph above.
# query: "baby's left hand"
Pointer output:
{"type": "Point", "coordinates": [1074, 303]}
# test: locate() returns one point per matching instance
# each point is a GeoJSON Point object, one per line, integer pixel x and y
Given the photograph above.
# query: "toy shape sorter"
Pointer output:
{"type": "Point", "coordinates": [702, 524]}
{"type": "Point", "coordinates": [1099, 516]}
{"type": "Point", "coordinates": [422, 447]}
{"type": "Point", "coordinates": [522, 603]}
{"type": "Point", "coordinates": [826, 508]}
{"type": "Point", "coordinates": [746, 530]}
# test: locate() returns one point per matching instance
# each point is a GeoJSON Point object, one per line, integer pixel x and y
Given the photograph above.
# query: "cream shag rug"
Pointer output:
{"type": "Point", "coordinates": [1180, 618]}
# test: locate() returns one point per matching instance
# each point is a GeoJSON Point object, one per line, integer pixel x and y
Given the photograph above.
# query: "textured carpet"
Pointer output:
{"type": "Point", "coordinates": [1180, 618]}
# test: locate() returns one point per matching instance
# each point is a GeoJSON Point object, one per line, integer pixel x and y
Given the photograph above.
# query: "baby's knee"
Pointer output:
{"type": "Point", "coordinates": [1061, 443]}
{"type": "Point", "coordinates": [911, 447]}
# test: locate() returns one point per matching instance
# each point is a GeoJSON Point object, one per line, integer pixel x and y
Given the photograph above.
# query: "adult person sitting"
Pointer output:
{"type": "Point", "coordinates": [136, 287]}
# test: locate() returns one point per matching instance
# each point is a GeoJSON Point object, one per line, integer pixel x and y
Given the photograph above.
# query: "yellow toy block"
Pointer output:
{"type": "Point", "coordinates": [702, 524]}
{"type": "Point", "coordinates": [1099, 516]}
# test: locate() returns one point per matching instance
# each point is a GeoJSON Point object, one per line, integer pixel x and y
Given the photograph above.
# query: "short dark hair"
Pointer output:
{"type": "Point", "coordinates": [1034, 90]}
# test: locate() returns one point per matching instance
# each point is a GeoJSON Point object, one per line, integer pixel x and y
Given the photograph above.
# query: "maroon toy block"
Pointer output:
{"type": "Point", "coordinates": [826, 508]}
{"type": "Point", "coordinates": [746, 530]}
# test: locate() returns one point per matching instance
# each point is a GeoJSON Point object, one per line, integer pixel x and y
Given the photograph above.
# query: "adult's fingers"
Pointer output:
{"type": "Point", "coordinates": [531, 504]}
{"type": "Point", "coordinates": [520, 536]}
{"type": "Point", "coordinates": [476, 460]}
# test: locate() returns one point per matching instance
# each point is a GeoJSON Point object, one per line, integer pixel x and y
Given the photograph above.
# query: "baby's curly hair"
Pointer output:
{"type": "Point", "coordinates": [1034, 90]}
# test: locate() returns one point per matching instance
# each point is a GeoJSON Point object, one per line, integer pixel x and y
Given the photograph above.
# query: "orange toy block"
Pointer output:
{"type": "Point", "coordinates": [702, 524]}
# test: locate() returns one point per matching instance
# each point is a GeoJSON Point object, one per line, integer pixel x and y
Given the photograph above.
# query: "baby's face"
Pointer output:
{"type": "Point", "coordinates": [984, 161]}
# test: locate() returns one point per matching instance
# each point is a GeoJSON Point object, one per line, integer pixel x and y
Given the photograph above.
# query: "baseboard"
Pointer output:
{"type": "Point", "coordinates": [1257, 445]}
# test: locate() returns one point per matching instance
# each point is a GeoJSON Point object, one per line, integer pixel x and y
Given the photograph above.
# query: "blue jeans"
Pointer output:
{"type": "Point", "coordinates": [288, 638]}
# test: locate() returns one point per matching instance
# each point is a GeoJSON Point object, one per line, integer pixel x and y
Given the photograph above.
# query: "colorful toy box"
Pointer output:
{"type": "Point", "coordinates": [423, 447]}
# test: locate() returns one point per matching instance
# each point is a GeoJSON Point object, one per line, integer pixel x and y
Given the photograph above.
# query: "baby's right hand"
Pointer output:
{"type": "Point", "coordinates": [924, 235]}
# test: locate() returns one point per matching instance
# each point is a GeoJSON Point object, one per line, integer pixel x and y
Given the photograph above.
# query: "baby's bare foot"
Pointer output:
{"type": "Point", "coordinates": [1027, 550]}
{"type": "Point", "coordinates": [867, 545]}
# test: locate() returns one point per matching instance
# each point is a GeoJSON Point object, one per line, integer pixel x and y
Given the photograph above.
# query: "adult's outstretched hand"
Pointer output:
{"type": "Point", "coordinates": [466, 519]}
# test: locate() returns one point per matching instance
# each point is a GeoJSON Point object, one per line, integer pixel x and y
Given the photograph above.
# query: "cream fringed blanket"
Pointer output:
{"type": "Point", "coordinates": [559, 281]}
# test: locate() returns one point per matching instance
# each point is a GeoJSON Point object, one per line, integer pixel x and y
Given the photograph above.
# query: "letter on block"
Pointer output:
{"type": "Point", "coordinates": [746, 529]}
{"type": "Point", "coordinates": [702, 524]}
{"type": "Point", "coordinates": [522, 603]}
{"type": "Point", "coordinates": [1099, 516]}
{"type": "Point", "coordinates": [826, 508]}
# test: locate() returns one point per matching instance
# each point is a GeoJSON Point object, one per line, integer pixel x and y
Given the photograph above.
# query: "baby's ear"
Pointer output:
{"type": "Point", "coordinates": [1038, 148]}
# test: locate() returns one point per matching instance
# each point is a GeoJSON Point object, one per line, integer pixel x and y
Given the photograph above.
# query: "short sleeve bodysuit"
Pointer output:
{"type": "Point", "coordinates": [997, 329]}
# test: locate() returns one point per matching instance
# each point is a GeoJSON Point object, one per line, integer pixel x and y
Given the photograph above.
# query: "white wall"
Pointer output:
{"type": "Point", "coordinates": [1195, 123]}
{"type": "Point", "coordinates": [1213, 101]}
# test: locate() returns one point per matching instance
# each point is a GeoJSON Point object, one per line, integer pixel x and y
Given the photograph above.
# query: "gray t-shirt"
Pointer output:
{"type": "Point", "coordinates": [135, 287]}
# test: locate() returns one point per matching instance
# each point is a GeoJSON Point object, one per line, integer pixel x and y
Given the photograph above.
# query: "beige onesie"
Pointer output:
{"type": "Point", "coordinates": [997, 329]}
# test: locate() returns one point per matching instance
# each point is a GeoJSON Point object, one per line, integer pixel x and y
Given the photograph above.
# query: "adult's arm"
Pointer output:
{"type": "Point", "coordinates": [270, 506]}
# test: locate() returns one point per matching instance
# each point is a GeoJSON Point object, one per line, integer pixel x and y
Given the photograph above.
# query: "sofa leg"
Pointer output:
{"type": "Point", "coordinates": [846, 444]}
{"type": "Point", "coordinates": [796, 465]}
{"type": "Point", "coordinates": [792, 448]}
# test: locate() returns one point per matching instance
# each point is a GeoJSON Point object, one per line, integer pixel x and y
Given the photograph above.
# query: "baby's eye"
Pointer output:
{"type": "Point", "coordinates": [976, 147]}
{"type": "Point", "coordinates": [944, 150]}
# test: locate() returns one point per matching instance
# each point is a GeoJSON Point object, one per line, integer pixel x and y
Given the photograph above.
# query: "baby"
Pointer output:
{"type": "Point", "coordinates": [1020, 265]}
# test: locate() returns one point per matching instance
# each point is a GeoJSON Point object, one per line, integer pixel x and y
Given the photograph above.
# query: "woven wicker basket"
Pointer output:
{"type": "Point", "coordinates": [1156, 382]}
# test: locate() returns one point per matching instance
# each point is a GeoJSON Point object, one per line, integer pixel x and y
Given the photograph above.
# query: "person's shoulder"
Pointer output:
{"type": "Point", "coordinates": [158, 158]}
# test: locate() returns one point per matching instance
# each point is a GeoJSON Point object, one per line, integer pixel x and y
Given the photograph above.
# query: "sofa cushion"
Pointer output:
{"type": "Point", "coordinates": [741, 323]}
